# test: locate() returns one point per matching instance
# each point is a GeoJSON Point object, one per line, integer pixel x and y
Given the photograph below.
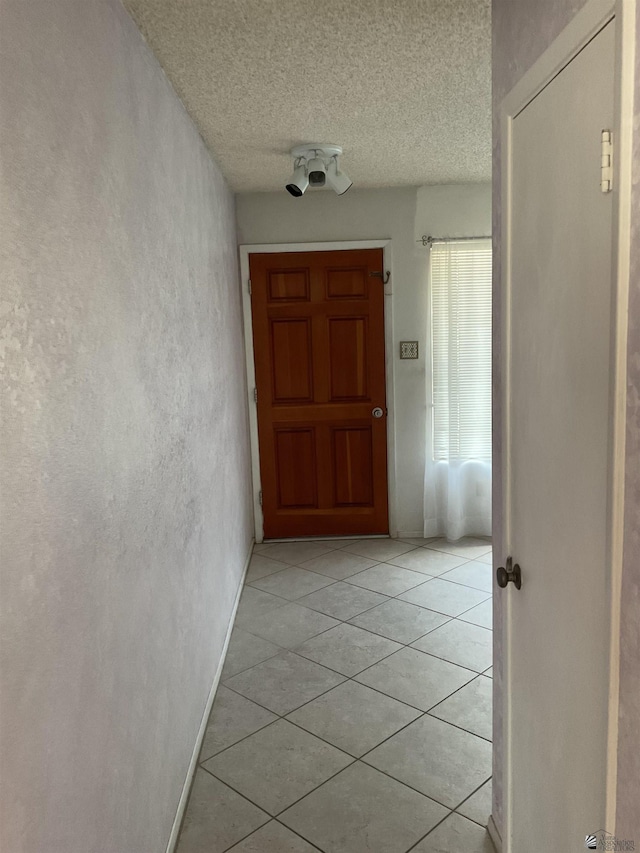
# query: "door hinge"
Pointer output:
{"type": "Point", "coordinates": [606, 162]}
{"type": "Point", "coordinates": [255, 395]}
{"type": "Point", "coordinates": [260, 498]}
{"type": "Point", "coordinates": [249, 286]}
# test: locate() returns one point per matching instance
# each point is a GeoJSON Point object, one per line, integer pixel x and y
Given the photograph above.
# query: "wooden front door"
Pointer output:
{"type": "Point", "coordinates": [318, 335]}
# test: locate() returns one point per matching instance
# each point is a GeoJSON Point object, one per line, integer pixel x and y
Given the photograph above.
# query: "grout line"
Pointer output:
{"type": "Point", "coordinates": [409, 644]}
{"type": "Point", "coordinates": [295, 802]}
{"type": "Point", "coordinates": [319, 737]}
{"type": "Point", "coordinates": [487, 594]}
{"type": "Point", "coordinates": [247, 668]}
{"type": "Point", "coordinates": [293, 650]}
{"type": "Point", "coordinates": [378, 770]}
{"type": "Point", "coordinates": [409, 785]}
{"type": "Point", "coordinates": [324, 666]}
{"type": "Point", "coordinates": [240, 794]}
{"type": "Point", "coordinates": [360, 684]}
{"type": "Point", "coordinates": [236, 742]}
{"type": "Point", "coordinates": [333, 776]}
{"type": "Point", "coordinates": [282, 716]}
{"type": "Point", "coordinates": [446, 660]}
{"type": "Point", "coordinates": [427, 576]}
{"type": "Point", "coordinates": [420, 840]}
{"type": "Point", "coordinates": [330, 581]}
{"type": "Point", "coordinates": [288, 648]}
{"type": "Point", "coordinates": [253, 831]}
{"type": "Point", "coordinates": [484, 826]}
{"type": "Point", "coordinates": [347, 621]}
{"type": "Point", "coordinates": [466, 585]}
{"type": "Point", "coordinates": [349, 677]}
{"type": "Point", "coordinates": [354, 759]}
{"type": "Point", "coordinates": [404, 701]}
{"type": "Point", "coordinates": [450, 811]}
{"type": "Point", "coordinates": [353, 677]}
{"type": "Point", "coordinates": [298, 726]}
{"type": "Point", "coordinates": [422, 714]}
{"type": "Point", "coordinates": [389, 696]}
{"type": "Point", "coordinates": [315, 847]}
{"type": "Point", "coordinates": [330, 778]}
{"type": "Point", "coordinates": [417, 790]}
{"type": "Point", "coordinates": [460, 728]}
{"type": "Point", "coordinates": [453, 692]}
{"type": "Point", "coordinates": [451, 554]}
{"type": "Point", "coordinates": [421, 711]}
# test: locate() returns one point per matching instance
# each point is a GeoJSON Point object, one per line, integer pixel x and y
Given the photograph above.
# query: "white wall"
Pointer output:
{"type": "Point", "coordinates": [403, 215]}
{"type": "Point", "coordinates": [125, 468]}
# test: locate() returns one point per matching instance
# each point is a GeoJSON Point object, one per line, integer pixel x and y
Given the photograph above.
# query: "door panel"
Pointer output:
{"type": "Point", "coordinates": [291, 360]}
{"type": "Point", "coordinates": [289, 286]}
{"type": "Point", "coordinates": [347, 283]}
{"type": "Point", "coordinates": [297, 486]}
{"type": "Point", "coordinates": [348, 358]}
{"type": "Point", "coordinates": [559, 439]}
{"type": "Point", "coordinates": [353, 466]}
{"type": "Point", "coordinates": [318, 331]}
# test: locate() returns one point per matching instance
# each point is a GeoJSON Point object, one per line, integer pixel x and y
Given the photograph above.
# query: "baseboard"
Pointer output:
{"type": "Point", "coordinates": [186, 788]}
{"type": "Point", "coordinates": [494, 835]}
{"type": "Point", "coordinates": [409, 534]}
{"type": "Point", "coordinates": [355, 537]}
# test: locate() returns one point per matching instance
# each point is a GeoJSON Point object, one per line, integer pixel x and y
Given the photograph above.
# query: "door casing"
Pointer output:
{"type": "Point", "coordinates": [583, 27]}
{"type": "Point", "coordinates": [273, 248]}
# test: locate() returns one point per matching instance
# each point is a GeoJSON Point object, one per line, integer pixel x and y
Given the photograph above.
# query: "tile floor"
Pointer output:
{"type": "Point", "coordinates": [354, 710]}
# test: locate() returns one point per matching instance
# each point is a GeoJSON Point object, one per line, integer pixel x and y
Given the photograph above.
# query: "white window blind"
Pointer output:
{"type": "Point", "coordinates": [461, 349]}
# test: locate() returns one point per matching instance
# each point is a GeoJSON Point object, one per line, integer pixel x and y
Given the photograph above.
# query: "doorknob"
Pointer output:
{"type": "Point", "coordinates": [511, 574]}
{"type": "Point", "coordinates": [377, 412]}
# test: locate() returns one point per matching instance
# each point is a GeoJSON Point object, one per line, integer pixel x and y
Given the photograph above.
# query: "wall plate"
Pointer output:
{"type": "Point", "coordinates": [408, 349]}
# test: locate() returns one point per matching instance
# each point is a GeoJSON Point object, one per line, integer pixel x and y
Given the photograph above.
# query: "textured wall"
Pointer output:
{"type": "Point", "coordinates": [125, 496]}
{"type": "Point", "coordinates": [521, 32]}
{"type": "Point", "coordinates": [403, 215]}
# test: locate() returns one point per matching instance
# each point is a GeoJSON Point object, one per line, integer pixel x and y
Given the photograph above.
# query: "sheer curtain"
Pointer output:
{"type": "Point", "coordinates": [457, 487]}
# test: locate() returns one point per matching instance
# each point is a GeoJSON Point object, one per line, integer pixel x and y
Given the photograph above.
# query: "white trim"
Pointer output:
{"type": "Point", "coordinates": [505, 544]}
{"type": "Point", "coordinates": [356, 538]}
{"type": "Point", "coordinates": [578, 32]}
{"type": "Point", "coordinates": [581, 29]}
{"type": "Point", "coordinates": [263, 248]}
{"type": "Point", "coordinates": [193, 763]}
{"type": "Point", "coordinates": [494, 835]}
{"type": "Point", "coordinates": [623, 174]}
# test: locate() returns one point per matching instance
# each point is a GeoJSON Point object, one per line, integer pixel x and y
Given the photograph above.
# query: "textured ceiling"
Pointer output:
{"type": "Point", "coordinates": [403, 85]}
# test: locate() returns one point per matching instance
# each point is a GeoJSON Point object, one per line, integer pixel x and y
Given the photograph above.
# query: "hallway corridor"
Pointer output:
{"type": "Point", "coordinates": [354, 709]}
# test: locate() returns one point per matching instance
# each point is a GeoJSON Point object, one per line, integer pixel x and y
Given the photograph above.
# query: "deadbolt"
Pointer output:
{"type": "Point", "coordinates": [510, 574]}
{"type": "Point", "coordinates": [377, 412]}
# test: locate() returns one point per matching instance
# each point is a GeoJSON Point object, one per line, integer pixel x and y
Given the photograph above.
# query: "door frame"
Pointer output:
{"type": "Point", "coordinates": [594, 15]}
{"type": "Point", "coordinates": [281, 248]}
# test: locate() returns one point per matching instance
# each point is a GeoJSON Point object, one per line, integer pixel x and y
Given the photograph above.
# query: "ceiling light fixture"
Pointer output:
{"type": "Point", "coordinates": [316, 165]}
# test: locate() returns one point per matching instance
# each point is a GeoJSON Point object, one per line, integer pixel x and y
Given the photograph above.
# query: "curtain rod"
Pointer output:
{"type": "Point", "coordinates": [428, 241]}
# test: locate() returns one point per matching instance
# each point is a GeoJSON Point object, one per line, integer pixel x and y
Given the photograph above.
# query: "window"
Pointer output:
{"type": "Point", "coordinates": [461, 349]}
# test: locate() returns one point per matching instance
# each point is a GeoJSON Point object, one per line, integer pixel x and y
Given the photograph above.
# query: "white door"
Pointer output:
{"type": "Point", "coordinates": [558, 435]}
